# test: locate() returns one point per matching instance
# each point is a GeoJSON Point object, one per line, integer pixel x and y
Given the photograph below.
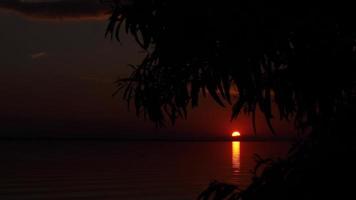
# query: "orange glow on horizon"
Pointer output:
{"type": "Point", "coordinates": [236, 134]}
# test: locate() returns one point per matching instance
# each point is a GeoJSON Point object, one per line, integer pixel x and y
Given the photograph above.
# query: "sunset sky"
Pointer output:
{"type": "Point", "coordinates": [58, 72]}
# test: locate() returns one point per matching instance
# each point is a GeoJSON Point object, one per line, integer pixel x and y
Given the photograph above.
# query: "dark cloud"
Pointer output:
{"type": "Point", "coordinates": [57, 9]}
{"type": "Point", "coordinates": [38, 55]}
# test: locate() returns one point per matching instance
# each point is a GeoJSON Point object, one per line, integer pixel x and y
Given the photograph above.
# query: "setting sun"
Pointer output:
{"type": "Point", "coordinates": [235, 134]}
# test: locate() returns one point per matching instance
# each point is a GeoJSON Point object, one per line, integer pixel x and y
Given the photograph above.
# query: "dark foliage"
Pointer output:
{"type": "Point", "coordinates": [300, 56]}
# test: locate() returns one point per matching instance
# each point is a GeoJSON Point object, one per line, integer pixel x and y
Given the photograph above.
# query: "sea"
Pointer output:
{"type": "Point", "coordinates": [132, 170]}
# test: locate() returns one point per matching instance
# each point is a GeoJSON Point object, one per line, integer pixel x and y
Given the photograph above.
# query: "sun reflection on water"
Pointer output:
{"type": "Point", "coordinates": [236, 157]}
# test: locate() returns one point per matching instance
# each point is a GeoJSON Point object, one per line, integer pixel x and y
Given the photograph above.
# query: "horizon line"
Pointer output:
{"type": "Point", "coordinates": [124, 139]}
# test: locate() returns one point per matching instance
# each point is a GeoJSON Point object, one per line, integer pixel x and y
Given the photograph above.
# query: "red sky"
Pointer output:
{"type": "Point", "coordinates": [57, 80]}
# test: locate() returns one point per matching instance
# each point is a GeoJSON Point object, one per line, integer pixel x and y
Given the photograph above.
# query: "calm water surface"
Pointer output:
{"type": "Point", "coordinates": [124, 170]}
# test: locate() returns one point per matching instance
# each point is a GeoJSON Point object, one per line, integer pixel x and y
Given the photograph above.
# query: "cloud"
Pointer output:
{"type": "Point", "coordinates": [57, 9]}
{"type": "Point", "coordinates": [38, 55]}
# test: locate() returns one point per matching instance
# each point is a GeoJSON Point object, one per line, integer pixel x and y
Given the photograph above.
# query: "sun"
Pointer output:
{"type": "Point", "coordinates": [236, 134]}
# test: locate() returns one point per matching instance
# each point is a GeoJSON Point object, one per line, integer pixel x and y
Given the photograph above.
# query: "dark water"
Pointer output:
{"type": "Point", "coordinates": [124, 170]}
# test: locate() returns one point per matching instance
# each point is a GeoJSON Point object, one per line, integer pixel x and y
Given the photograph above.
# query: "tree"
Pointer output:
{"type": "Point", "coordinates": [299, 55]}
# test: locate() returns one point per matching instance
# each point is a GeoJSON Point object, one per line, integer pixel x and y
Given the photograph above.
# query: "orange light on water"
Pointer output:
{"type": "Point", "coordinates": [236, 158]}
{"type": "Point", "coordinates": [236, 134]}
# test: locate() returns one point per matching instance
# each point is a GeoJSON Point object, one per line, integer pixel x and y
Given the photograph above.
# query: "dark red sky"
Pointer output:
{"type": "Point", "coordinates": [57, 74]}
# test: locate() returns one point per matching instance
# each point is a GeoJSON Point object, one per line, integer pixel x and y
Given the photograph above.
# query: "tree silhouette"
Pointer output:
{"type": "Point", "coordinates": [299, 55]}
